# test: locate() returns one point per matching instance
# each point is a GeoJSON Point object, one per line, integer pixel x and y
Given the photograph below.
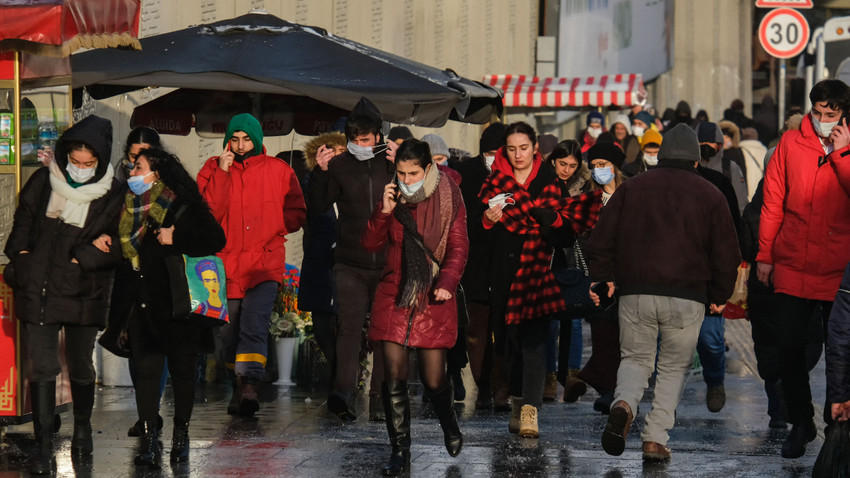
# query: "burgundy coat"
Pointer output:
{"type": "Point", "coordinates": [436, 327]}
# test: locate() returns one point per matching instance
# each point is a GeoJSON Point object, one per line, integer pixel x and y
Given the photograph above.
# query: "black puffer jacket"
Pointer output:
{"type": "Point", "coordinates": [356, 187]}
{"type": "Point", "coordinates": [49, 287]}
{"type": "Point", "coordinates": [475, 280]}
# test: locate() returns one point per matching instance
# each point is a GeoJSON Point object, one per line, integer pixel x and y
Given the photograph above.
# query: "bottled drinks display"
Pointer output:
{"type": "Point", "coordinates": [48, 134]}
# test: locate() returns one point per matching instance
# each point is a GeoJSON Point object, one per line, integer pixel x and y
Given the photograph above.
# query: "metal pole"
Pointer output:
{"type": "Point", "coordinates": [781, 94]}
{"type": "Point", "coordinates": [820, 60]}
{"type": "Point", "coordinates": [812, 49]}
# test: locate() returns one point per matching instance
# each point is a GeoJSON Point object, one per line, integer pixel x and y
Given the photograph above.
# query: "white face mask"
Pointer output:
{"type": "Point", "coordinates": [823, 129]}
{"type": "Point", "coordinates": [594, 132]}
{"type": "Point", "coordinates": [362, 153]}
{"type": "Point", "coordinates": [79, 175]}
{"type": "Point", "coordinates": [651, 160]}
{"type": "Point", "coordinates": [409, 189]}
{"type": "Point", "coordinates": [638, 131]}
{"type": "Point", "coordinates": [488, 161]}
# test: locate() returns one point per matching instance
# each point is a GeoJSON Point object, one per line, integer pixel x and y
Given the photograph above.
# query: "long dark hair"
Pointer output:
{"type": "Point", "coordinates": [565, 149]}
{"type": "Point", "coordinates": [173, 174]}
{"type": "Point", "coordinates": [142, 135]}
{"type": "Point", "coordinates": [414, 150]}
{"type": "Point", "coordinates": [520, 127]}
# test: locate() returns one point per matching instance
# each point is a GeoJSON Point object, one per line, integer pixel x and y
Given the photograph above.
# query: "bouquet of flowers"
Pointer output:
{"type": "Point", "coordinates": [287, 320]}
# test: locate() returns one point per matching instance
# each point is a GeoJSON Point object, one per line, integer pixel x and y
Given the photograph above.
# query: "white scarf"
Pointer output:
{"type": "Point", "coordinates": [72, 204]}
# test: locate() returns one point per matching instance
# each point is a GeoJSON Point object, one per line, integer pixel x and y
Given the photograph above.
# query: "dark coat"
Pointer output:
{"type": "Point", "coordinates": [317, 289]}
{"type": "Point", "coordinates": [355, 186]}
{"type": "Point", "coordinates": [144, 297]}
{"type": "Point", "coordinates": [475, 282]}
{"type": "Point", "coordinates": [49, 288]}
{"type": "Point", "coordinates": [838, 345]}
{"type": "Point", "coordinates": [689, 251]}
{"type": "Point", "coordinates": [436, 326]}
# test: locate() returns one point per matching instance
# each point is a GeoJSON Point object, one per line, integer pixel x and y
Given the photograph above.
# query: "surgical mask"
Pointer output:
{"type": "Point", "coordinates": [650, 159]}
{"type": "Point", "coordinates": [488, 161]}
{"type": "Point", "coordinates": [80, 175]}
{"type": "Point", "coordinates": [410, 189]}
{"type": "Point", "coordinates": [503, 199]}
{"type": "Point", "coordinates": [603, 176]}
{"type": "Point", "coordinates": [638, 131]}
{"type": "Point", "coordinates": [138, 185]}
{"type": "Point", "coordinates": [594, 132]}
{"type": "Point", "coordinates": [364, 153]}
{"type": "Point", "coordinates": [823, 129]}
{"type": "Point", "coordinates": [706, 151]}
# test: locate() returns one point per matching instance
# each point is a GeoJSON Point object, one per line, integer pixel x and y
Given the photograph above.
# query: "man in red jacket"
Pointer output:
{"type": "Point", "coordinates": [257, 200]}
{"type": "Point", "coordinates": [804, 241]}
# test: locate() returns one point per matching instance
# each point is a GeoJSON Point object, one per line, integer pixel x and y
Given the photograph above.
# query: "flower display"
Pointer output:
{"type": "Point", "coordinates": [287, 320]}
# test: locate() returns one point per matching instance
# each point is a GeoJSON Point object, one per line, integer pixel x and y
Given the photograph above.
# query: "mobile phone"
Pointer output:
{"type": "Point", "coordinates": [397, 188]}
{"type": "Point", "coordinates": [601, 289]}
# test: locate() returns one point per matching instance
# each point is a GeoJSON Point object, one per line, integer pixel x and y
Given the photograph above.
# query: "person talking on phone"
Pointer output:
{"type": "Point", "coordinates": [687, 257]}
{"type": "Point", "coordinates": [354, 181]}
{"type": "Point", "coordinates": [257, 200]}
{"type": "Point", "coordinates": [422, 224]}
{"type": "Point", "coordinates": [804, 245]}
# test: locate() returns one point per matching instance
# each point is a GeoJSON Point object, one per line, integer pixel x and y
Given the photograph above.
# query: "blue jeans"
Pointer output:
{"type": "Point", "coordinates": [576, 345]}
{"type": "Point", "coordinates": [711, 348]}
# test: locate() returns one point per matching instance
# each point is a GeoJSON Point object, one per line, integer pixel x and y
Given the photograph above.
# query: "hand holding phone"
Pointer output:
{"type": "Point", "coordinates": [225, 160]}
{"type": "Point", "coordinates": [390, 198]}
{"type": "Point", "coordinates": [840, 134]}
{"type": "Point", "coordinates": [602, 294]}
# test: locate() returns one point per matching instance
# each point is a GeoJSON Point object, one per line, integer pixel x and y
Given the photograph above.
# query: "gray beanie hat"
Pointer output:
{"type": "Point", "coordinates": [437, 145]}
{"type": "Point", "coordinates": [680, 143]}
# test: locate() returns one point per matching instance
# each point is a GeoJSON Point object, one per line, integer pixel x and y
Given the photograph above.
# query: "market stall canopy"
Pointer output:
{"type": "Point", "coordinates": [261, 53]}
{"type": "Point", "coordinates": [59, 27]}
{"type": "Point", "coordinates": [562, 92]}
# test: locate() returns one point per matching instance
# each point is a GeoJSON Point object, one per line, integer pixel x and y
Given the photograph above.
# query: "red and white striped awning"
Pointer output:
{"type": "Point", "coordinates": [562, 92]}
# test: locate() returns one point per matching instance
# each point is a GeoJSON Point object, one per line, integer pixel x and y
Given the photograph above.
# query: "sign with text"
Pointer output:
{"type": "Point", "coordinates": [784, 4]}
{"type": "Point", "coordinates": [784, 33]}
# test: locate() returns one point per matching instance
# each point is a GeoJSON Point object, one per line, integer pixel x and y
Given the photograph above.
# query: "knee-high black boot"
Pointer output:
{"type": "Point", "coordinates": [397, 408]}
{"type": "Point", "coordinates": [83, 396]}
{"type": "Point", "coordinates": [180, 441]}
{"type": "Point", "coordinates": [443, 403]}
{"type": "Point", "coordinates": [149, 452]}
{"type": "Point", "coordinates": [43, 396]}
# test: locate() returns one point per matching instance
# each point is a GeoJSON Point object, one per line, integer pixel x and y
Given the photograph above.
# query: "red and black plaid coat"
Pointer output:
{"type": "Point", "coordinates": [534, 292]}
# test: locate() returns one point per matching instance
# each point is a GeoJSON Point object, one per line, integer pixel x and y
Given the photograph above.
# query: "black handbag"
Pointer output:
{"type": "Point", "coordinates": [834, 457]}
{"type": "Point", "coordinates": [575, 287]}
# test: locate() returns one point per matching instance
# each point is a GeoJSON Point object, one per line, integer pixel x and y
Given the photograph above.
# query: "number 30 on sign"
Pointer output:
{"type": "Point", "coordinates": [784, 33]}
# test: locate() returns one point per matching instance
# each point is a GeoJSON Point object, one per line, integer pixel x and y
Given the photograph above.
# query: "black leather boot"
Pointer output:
{"type": "Point", "coordinates": [443, 402]}
{"type": "Point", "coordinates": [83, 396]}
{"type": "Point", "coordinates": [180, 441]}
{"type": "Point", "coordinates": [149, 452]}
{"type": "Point", "coordinates": [397, 408]}
{"type": "Point", "coordinates": [43, 396]}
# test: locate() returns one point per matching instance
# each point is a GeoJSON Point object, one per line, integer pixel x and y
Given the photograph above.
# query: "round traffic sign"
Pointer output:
{"type": "Point", "coordinates": [784, 33]}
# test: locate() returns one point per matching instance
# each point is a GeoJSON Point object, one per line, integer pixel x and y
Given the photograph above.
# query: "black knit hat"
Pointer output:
{"type": "Point", "coordinates": [707, 133]}
{"type": "Point", "coordinates": [607, 151]}
{"type": "Point", "coordinates": [492, 138]}
{"type": "Point", "coordinates": [680, 144]}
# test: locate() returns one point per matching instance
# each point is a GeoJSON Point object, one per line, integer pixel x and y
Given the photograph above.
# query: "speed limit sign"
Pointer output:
{"type": "Point", "coordinates": [784, 33]}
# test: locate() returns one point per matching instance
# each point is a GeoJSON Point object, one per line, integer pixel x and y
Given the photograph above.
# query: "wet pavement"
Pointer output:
{"type": "Point", "coordinates": [292, 435]}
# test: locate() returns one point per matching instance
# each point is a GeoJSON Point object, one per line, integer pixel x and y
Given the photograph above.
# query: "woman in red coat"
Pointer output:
{"type": "Point", "coordinates": [422, 222]}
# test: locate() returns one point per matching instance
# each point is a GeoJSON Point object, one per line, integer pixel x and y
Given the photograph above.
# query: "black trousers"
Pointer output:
{"type": "Point", "coordinates": [792, 334]}
{"type": "Point", "coordinates": [148, 374]}
{"type": "Point", "coordinates": [526, 357]}
{"type": "Point", "coordinates": [43, 352]}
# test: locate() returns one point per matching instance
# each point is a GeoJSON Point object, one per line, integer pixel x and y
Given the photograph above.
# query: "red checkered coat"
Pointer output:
{"type": "Point", "coordinates": [534, 293]}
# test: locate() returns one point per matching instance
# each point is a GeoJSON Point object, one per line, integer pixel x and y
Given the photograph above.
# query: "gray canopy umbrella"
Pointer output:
{"type": "Point", "coordinates": [261, 53]}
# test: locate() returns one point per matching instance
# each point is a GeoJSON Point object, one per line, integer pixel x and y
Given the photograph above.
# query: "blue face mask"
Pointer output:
{"type": "Point", "coordinates": [410, 190]}
{"type": "Point", "coordinates": [138, 185]}
{"type": "Point", "coordinates": [603, 176]}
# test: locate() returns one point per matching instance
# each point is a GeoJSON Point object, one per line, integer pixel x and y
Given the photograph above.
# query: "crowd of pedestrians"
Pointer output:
{"type": "Point", "coordinates": [639, 227]}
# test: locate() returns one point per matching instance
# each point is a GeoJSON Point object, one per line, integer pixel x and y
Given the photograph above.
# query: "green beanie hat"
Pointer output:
{"type": "Point", "coordinates": [248, 125]}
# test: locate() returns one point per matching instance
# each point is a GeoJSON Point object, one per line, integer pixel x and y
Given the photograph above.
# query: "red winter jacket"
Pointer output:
{"type": "Point", "coordinates": [805, 221]}
{"type": "Point", "coordinates": [436, 327]}
{"type": "Point", "coordinates": [257, 202]}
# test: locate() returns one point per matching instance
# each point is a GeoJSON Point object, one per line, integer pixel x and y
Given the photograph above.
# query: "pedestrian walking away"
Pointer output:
{"type": "Point", "coordinates": [664, 285]}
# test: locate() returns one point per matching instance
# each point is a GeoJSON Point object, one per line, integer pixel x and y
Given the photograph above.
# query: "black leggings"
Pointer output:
{"type": "Point", "coordinates": [526, 357]}
{"type": "Point", "coordinates": [432, 365]}
{"type": "Point", "coordinates": [148, 373]}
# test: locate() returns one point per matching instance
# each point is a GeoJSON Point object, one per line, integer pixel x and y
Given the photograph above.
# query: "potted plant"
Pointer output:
{"type": "Point", "coordinates": [288, 324]}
